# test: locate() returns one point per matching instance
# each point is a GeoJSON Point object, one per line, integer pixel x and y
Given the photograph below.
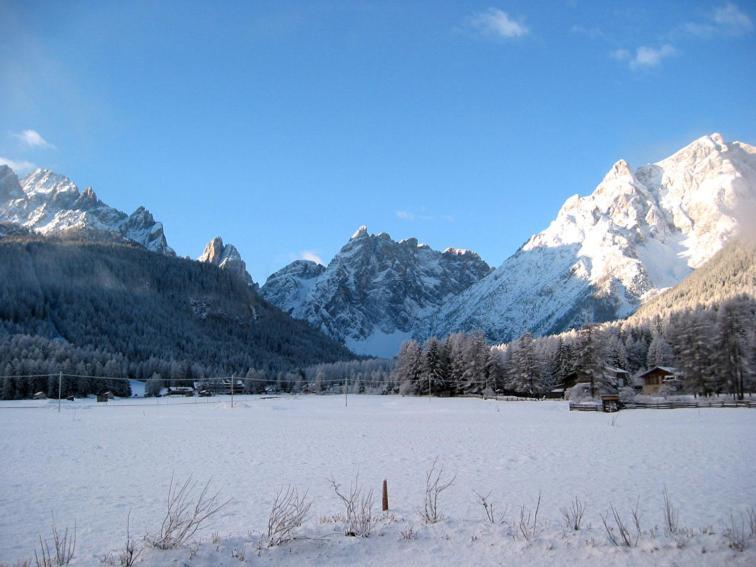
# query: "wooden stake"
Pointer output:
{"type": "Point", "coordinates": [385, 496]}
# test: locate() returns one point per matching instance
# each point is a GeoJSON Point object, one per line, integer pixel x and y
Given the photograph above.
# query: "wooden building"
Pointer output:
{"type": "Point", "coordinates": [657, 377]}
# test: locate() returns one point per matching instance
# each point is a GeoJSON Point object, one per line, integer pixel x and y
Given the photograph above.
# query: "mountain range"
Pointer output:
{"type": "Point", "coordinates": [639, 232]}
{"type": "Point", "coordinates": [375, 290]}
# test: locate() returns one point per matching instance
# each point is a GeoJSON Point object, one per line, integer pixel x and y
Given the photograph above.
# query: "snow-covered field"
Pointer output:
{"type": "Point", "coordinates": [93, 463]}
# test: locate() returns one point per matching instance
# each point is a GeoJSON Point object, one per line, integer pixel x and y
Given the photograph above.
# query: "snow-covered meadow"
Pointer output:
{"type": "Point", "coordinates": [92, 464]}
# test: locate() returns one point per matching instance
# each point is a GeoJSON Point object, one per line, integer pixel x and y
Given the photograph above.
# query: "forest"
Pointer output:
{"type": "Point", "coordinates": [105, 309]}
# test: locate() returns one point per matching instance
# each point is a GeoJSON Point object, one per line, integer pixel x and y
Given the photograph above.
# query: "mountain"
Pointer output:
{"type": "Point", "coordinates": [226, 257]}
{"type": "Point", "coordinates": [729, 273]}
{"type": "Point", "coordinates": [638, 233]}
{"type": "Point", "coordinates": [374, 291]}
{"type": "Point", "coordinates": [52, 205]}
{"type": "Point", "coordinates": [86, 303]}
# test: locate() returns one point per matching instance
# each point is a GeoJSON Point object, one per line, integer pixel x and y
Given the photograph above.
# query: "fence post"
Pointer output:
{"type": "Point", "coordinates": [232, 391]}
{"type": "Point", "coordinates": [385, 506]}
{"type": "Point", "coordinates": [346, 391]}
{"type": "Point", "coordinates": [60, 388]}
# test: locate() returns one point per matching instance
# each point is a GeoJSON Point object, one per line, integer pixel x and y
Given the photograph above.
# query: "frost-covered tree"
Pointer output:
{"type": "Point", "coordinates": [733, 330]}
{"type": "Point", "coordinates": [659, 352]}
{"type": "Point", "coordinates": [525, 374]}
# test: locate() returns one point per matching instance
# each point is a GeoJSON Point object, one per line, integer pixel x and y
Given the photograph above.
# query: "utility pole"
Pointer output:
{"type": "Point", "coordinates": [60, 388]}
{"type": "Point", "coordinates": [232, 390]}
{"type": "Point", "coordinates": [346, 391]}
{"type": "Point", "coordinates": [430, 393]}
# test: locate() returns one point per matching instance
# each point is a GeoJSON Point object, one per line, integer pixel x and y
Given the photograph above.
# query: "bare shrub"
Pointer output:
{"type": "Point", "coordinates": [528, 523]}
{"type": "Point", "coordinates": [620, 534]}
{"type": "Point", "coordinates": [288, 512]}
{"type": "Point", "coordinates": [62, 552]}
{"type": "Point", "coordinates": [409, 533]}
{"type": "Point", "coordinates": [573, 514]}
{"type": "Point", "coordinates": [185, 514]}
{"type": "Point", "coordinates": [671, 515]}
{"type": "Point", "coordinates": [488, 507]}
{"type": "Point", "coordinates": [358, 508]}
{"type": "Point", "coordinates": [435, 484]}
{"type": "Point", "coordinates": [740, 529]}
{"type": "Point", "coordinates": [131, 552]}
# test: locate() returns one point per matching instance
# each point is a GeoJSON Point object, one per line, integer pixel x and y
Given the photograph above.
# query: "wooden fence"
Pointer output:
{"type": "Point", "coordinates": [671, 404]}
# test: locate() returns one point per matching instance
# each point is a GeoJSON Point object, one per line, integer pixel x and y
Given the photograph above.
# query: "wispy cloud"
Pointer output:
{"type": "Point", "coordinates": [33, 139]}
{"type": "Point", "coordinates": [497, 23]}
{"type": "Point", "coordinates": [645, 57]}
{"type": "Point", "coordinates": [17, 166]}
{"type": "Point", "coordinates": [732, 19]}
{"type": "Point", "coordinates": [312, 256]}
{"type": "Point", "coordinates": [726, 20]}
{"type": "Point", "coordinates": [422, 215]}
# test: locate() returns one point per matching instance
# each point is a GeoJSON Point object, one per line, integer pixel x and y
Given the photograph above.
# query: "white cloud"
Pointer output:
{"type": "Point", "coordinates": [33, 139]}
{"type": "Point", "coordinates": [644, 57]}
{"type": "Point", "coordinates": [405, 215]}
{"type": "Point", "coordinates": [726, 20]}
{"type": "Point", "coordinates": [732, 19]}
{"type": "Point", "coordinates": [497, 23]}
{"type": "Point", "coordinates": [312, 256]}
{"type": "Point", "coordinates": [17, 166]}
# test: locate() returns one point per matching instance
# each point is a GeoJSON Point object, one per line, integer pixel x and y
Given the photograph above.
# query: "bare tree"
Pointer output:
{"type": "Point", "coordinates": [528, 524]}
{"type": "Point", "coordinates": [622, 537]}
{"type": "Point", "coordinates": [358, 508]}
{"type": "Point", "coordinates": [288, 512]}
{"type": "Point", "coordinates": [573, 514]}
{"type": "Point", "coordinates": [184, 514]}
{"type": "Point", "coordinates": [671, 515]}
{"type": "Point", "coordinates": [435, 484]}
{"type": "Point", "coordinates": [488, 508]}
{"type": "Point", "coordinates": [64, 547]}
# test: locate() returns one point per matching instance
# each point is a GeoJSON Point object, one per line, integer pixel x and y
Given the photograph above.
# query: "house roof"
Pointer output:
{"type": "Point", "coordinates": [666, 369]}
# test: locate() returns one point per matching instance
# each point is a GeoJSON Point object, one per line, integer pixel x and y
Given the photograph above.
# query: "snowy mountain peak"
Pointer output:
{"type": "Point", "coordinates": [362, 231]}
{"type": "Point", "coordinates": [226, 257]}
{"type": "Point", "coordinates": [374, 290]}
{"type": "Point", "coordinates": [48, 182]}
{"type": "Point", "coordinates": [605, 253]}
{"type": "Point", "coordinates": [51, 204]}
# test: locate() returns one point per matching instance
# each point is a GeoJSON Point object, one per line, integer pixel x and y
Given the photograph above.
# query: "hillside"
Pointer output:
{"type": "Point", "coordinates": [640, 231]}
{"type": "Point", "coordinates": [91, 303]}
{"type": "Point", "coordinates": [730, 272]}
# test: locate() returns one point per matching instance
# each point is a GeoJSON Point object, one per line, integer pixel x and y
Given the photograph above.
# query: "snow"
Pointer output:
{"type": "Point", "coordinates": [636, 234]}
{"type": "Point", "coordinates": [93, 463]}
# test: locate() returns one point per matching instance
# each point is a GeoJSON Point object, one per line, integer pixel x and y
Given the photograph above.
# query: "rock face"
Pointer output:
{"type": "Point", "coordinates": [226, 257]}
{"type": "Point", "coordinates": [638, 233]}
{"type": "Point", "coordinates": [52, 205]}
{"type": "Point", "coordinates": [375, 290]}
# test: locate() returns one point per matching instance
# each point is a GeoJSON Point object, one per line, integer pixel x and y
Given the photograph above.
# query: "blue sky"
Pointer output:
{"type": "Point", "coordinates": [283, 126]}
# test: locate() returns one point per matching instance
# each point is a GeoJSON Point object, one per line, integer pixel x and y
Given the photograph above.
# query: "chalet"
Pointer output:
{"type": "Point", "coordinates": [657, 377]}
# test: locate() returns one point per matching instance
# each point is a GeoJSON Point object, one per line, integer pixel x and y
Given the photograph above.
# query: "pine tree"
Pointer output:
{"type": "Point", "coordinates": [733, 343]}
{"type": "Point", "coordinates": [526, 374]}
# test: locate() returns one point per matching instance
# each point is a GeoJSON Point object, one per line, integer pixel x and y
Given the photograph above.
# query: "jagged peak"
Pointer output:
{"type": "Point", "coordinates": [620, 169]}
{"type": "Point", "coordinates": [360, 232]}
{"type": "Point", "coordinates": [460, 252]}
{"type": "Point", "coordinates": [43, 180]}
{"type": "Point", "coordinates": [411, 242]}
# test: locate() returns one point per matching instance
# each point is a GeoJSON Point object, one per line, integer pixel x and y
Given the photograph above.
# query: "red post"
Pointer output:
{"type": "Point", "coordinates": [385, 496]}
